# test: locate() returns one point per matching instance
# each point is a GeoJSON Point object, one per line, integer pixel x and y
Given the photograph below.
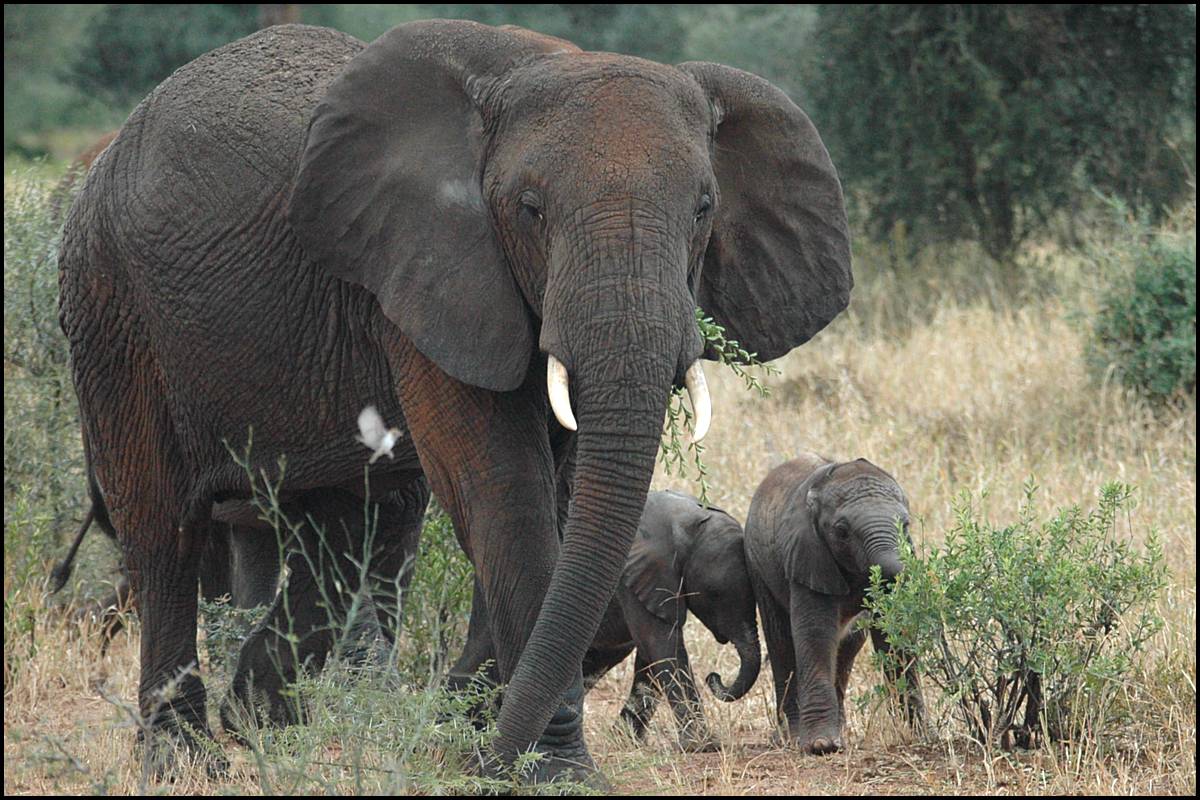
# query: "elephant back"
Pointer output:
{"type": "Point", "coordinates": [224, 131]}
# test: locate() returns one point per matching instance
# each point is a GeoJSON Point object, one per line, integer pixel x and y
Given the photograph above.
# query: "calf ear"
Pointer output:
{"type": "Point", "coordinates": [654, 578]}
{"type": "Point", "coordinates": [808, 559]}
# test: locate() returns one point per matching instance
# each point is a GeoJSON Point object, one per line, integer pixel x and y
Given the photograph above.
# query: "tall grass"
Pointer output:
{"type": "Point", "coordinates": [949, 381]}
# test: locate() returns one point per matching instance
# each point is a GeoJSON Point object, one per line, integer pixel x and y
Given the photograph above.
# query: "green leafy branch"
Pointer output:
{"type": "Point", "coordinates": [678, 458]}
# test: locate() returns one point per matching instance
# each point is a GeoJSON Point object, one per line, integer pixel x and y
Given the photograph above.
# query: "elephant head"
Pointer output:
{"type": "Point", "coordinates": [688, 557]}
{"type": "Point", "coordinates": [515, 204]}
{"type": "Point", "coordinates": [847, 523]}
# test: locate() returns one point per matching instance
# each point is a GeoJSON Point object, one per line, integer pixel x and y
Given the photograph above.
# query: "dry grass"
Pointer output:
{"type": "Point", "coordinates": [967, 396]}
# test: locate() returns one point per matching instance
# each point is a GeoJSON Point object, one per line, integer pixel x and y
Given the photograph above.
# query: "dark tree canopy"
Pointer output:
{"type": "Point", "coordinates": [132, 48]}
{"type": "Point", "coordinates": [980, 121]}
{"type": "Point", "coordinates": [976, 122]}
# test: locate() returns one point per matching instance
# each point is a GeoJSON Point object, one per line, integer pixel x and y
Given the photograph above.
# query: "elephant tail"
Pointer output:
{"type": "Point", "coordinates": [97, 512]}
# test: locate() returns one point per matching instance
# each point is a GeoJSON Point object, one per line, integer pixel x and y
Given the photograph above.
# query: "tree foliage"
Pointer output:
{"type": "Point", "coordinates": [981, 121]}
{"type": "Point", "coordinates": [130, 49]}
{"type": "Point", "coordinates": [1144, 333]}
{"type": "Point", "coordinates": [956, 121]}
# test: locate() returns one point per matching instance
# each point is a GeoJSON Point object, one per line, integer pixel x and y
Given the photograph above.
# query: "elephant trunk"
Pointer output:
{"type": "Point", "coordinates": [621, 368]}
{"type": "Point", "coordinates": [882, 550]}
{"type": "Point", "coordinates": [751, 657]}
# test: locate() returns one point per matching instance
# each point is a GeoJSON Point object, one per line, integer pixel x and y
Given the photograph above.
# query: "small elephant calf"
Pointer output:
{"type": "Point", "coordinates": [685, 557]}
{"type": "Point", "coordinates": [814, 531]}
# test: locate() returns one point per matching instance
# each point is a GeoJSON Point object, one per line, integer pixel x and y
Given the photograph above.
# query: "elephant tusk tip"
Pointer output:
{"type": "Point", "coordinates": [697, 388]}
{"type": "Point", "coordinates": [557, 388]}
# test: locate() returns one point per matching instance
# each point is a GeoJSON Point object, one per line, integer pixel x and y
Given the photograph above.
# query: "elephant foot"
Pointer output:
{"type": "Point", "coordinates": [252, 704]}
{"type": "Point", "coordinates": [472, 697]}
{"type": "Point", "coordinates": [625, 730]}
{"type": "Point", "coordinates": [822, 745]}
{"type": "Point", "coordinates": [697, 738]}
{"type": "Point", "coordinates": [564, 757]}
{"type": "Point", "coordinates": [169, 752]}
{"type": "Point", "coordinates": [813, 743]}
{"type": "Point", "coordinates": [566, 768]}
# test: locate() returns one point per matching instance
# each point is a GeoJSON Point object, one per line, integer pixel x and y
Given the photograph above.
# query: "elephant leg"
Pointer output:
{"type": "Point", "coordinates": [491, 466]}
{"type": "Point", "coordinates": [661, 650]}
{"type": "Point", "coordinates": [394, 558]}
{"type": "Point", "coordinates": [598, 662]}
{"type": "Point", "coordinates": [141, 473]}
{"type": "Point", "coordinates": [912, 702]}
{"type": "Point", "coordinates": [393, 533]}
{"type": "Point", "coordinates": [309, 615]}
{"type": "Point", "coordinates": [643, 698]}
{"type": "Point", "coordinates": [475, 669]}
{"type": "Point", "coordinates": [815, 634]}
{"type": "Point", "coordinates": [675, 675]}
{"type": "Point", "coordinates": [479, 653]}
{"type": "Point", "coordinates": [216, 578]}
{"type": "Point", "coordinates": [781, 652]}
{"type": "Point", "coordinates": [162, 562]}
{"type": "Point", "coordinates": [848, 649]}
{"type": "Point", "coordinates": [256, 557]}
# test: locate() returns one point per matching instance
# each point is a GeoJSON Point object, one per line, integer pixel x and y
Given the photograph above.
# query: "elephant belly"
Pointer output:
{"type": "Point", "coordinates": [613, 633]}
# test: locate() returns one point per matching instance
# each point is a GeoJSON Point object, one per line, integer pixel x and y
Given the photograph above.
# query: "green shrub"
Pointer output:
{"type": "Point", "coordinates": [1145, 331]}
{"type": "Point", "coordinates": [1028, 628]}
{"type": "Point", "coordinates": [438, 603]}
{"type": "Point", "coordinates": [43, 462]}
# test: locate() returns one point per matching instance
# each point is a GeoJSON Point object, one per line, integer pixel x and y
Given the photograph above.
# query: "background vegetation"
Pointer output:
{"type": "Point", "coordinates": [1021, 180]}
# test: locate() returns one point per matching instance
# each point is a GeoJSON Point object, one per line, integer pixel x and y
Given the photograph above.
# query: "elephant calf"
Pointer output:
{"type": "Point", "coordinates": [814, 531]}
{"type": "Point", "coordinates": [685, 557]}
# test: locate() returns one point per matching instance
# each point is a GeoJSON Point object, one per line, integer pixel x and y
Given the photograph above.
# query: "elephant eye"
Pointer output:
{"type": "Point", "coordinates": [703, 207]}
{"type": "Point", "coordinates": [841, 528]}
{"type": "Point", "coordinates": [531, 204]}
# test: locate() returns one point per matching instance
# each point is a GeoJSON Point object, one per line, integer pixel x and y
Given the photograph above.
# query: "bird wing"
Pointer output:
{"type": "Point", "coordinates": [371, 427]}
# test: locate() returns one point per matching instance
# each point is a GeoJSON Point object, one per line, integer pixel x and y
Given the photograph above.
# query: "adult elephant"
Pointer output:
{"type": "Point", "coordinates": [297, 225]}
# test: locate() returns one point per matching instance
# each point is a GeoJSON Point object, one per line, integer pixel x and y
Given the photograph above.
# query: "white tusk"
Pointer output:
{"type": "Point", "coordinates": [560, 393]}
{"type": "Point", "coordinates": [701, 403]}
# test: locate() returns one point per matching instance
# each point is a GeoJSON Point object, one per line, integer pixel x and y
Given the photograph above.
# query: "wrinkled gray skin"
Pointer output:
{"type": "Point", "coordinates": [814, 531]}
{"type": "Point", "coordinates": [685, 557]}
{"type": "Point", "coordinates": [298, 225]}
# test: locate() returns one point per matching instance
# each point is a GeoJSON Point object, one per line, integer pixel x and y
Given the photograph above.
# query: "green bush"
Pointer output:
{"type": "Point", "coordinates": [438, 603]}
{"type": "Point", "coordinates": [1145, 330]}
{"type": "Point", "coordinates": [1028, 628]}
{"type": "Point", "coordinates": [43, 462]}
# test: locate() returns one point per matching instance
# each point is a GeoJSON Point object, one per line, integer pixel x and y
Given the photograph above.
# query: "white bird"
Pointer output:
{"type": "Point", "coordinates": [375, 435]}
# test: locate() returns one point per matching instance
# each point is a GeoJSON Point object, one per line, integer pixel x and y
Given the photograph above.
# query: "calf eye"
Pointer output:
{"type": "Point", "coordinates": [702, 208]}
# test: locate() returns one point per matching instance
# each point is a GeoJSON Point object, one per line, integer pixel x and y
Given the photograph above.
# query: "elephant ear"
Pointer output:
{"type": "Point", "coordinates": [653, 573]}
{"type": "Point", "coordinates": [388, 194]}
{"type": "Point", "coordinates": [777, 268]}
{"type": "Point", "coordinates": [808, 560]}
